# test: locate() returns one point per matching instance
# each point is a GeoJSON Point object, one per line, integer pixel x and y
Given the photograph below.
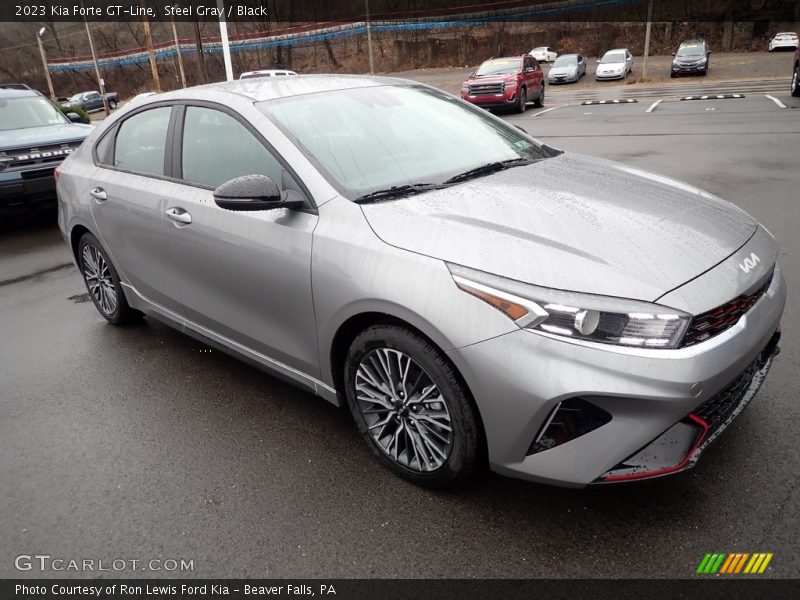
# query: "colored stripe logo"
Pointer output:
{"type": "Point", "coordinates": [734, 562]}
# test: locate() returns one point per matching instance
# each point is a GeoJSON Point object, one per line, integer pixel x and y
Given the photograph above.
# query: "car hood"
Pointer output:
{"type": "Point", "coordinates": [571, 222]}
{"type": "Point", "coordinates": [610, 66]}
{"type": "Point", "coordinates": [563, 70]}
{"type": "Point", "coordinates": [34, 137]}
{"type": "Point", "coordinates": [491, 78]}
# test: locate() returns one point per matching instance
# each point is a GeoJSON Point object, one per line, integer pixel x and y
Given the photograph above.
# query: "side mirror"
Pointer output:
{"type": "Point", "coordinates": [529, 69]}
{"type": "Point", "coordinates": [252, 192]}
{"type": "Point", "coordinates": [74, 117]}
{"type": "Point", "coordinates": [673, 54]}
{"type": "Point", "coordinates": [711, 52]}
{"type": "Point", "coordinates": [598, 60]}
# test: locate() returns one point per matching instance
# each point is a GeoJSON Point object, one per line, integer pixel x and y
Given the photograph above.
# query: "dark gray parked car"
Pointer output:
{"type": "Point", "coordinates": [468, 292]}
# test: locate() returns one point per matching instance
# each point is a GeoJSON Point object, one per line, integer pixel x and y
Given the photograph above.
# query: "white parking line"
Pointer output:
{"type": "Point", "coordinates": [653, 106]}
{"type": "Point", "coordinates": [541, 112]}
{"type": "Point", "coordinates": [776, 101]}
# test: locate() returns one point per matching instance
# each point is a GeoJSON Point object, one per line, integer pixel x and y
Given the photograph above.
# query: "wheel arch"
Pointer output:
{"type": "Point", "coordinates": [355, 324]}
{"type": "Point", "coordinates": [75, 235]}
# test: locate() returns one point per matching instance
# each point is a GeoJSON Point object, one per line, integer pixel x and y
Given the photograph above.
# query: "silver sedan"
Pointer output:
{"type": "Point", "coordinates": [568, 68]}
{"type": "Point", "coordinates": [446, 276]}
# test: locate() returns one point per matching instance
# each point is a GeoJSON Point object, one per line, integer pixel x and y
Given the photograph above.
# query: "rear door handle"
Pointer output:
{"type": "Point", "coordinates": [179, 215]}
{"type": "Point", "coordinates": [98, 194]}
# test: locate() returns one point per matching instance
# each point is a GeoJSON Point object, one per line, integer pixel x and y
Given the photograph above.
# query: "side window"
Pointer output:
{"type": "Point", "coordinates": [103, 147]}
{"type": "Point", "coordinates": [141, 141]}
{"type": "Point", "coordinates": [533, 63]}
{"type": "Point", "coordinates": [218, 148]}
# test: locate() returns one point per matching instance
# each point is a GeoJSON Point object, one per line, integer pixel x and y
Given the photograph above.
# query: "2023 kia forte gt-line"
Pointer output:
{"type": "Point", "coordinates": [468, 292]}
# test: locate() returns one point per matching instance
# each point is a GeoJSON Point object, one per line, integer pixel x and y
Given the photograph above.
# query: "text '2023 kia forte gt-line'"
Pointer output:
{"type": "Point", "coordinates": [392, 248]}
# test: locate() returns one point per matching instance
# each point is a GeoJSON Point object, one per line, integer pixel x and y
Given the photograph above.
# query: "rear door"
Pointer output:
{"type": "Point", "coordinates": [127, 193]}
{"type": "Point", "coordinates": [533, 76]}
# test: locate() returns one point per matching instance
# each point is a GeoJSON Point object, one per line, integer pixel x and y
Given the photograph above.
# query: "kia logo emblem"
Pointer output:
{"type": "Point", "coordinates": [749, 263]}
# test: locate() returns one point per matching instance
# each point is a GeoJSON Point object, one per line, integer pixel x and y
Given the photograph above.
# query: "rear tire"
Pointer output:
{"type": "Point", "coordinates": [539, 102]}
{"type": "Point", "coordinates": [795, 88]}
{"type": "Point", "coordinates": [522, 100]}
{"type": "Point", "coordinates": [102, 282]}
{"type": "Point", "coordinates": [112, 105]}
{"type": "Point", "coordinates": [411, 408]}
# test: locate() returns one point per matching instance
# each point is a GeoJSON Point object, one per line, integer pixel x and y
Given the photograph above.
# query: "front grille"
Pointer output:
{"type": "Point", "coordinates": [718, 409]}
{"type": "Point", "coordinates": [42, 156]}
{"type": "Point", "coordinates": [486, 89]}
{"type": "Point", "coordinates": [715, 321]}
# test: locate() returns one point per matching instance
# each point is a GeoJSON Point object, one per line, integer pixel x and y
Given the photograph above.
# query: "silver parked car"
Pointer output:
{"type": "Point", "coordinates": [394, 249]}
{"type": "Point", "coordinates": [568, 68]}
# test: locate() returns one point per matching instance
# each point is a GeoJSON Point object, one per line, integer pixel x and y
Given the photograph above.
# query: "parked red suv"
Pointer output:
{"type": "Point", "coordinates": [506, 83]}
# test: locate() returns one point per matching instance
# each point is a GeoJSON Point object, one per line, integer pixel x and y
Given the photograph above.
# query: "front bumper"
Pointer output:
{"type": "Point", "coordinates": [562, 79]}
{"type": "Point", "coordinates": [27, 191]}
{"type": "Point", "coordinates": [507, 99]}
{"type": "Point", "coordinates": [609, 76]}
{"type": "Point", "coordinates": [687, 70]}
{"type": "Point", "coordinates": [519, 379]}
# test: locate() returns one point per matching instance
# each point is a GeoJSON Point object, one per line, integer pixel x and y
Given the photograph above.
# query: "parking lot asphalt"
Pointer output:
{"type": "Point", "coordinates": [139, 443]}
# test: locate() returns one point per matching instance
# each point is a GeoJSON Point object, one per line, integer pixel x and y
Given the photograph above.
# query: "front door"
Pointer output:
{"type": "Point", "coordinates": [245, 276]}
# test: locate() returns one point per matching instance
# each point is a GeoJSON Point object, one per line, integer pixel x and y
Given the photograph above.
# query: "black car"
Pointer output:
{"type": "Point", "coordinates": [692, 57]}
{"type": "Point", "coordinates": [34, 138]}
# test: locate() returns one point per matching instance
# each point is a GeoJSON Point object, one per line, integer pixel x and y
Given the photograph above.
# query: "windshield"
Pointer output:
{"type": "Point", "coordinates": [617, 57]}
{"type": "Point", "coordinates": [21, 113]}
{"type": "Point", "coordinates": [374, 138]}
{"type": "Point", "coordinates": [566, 60]}
{"type": "Point", "coordinates": [691, 50]}
{"type": "Point", "coordinates": [500, 65]}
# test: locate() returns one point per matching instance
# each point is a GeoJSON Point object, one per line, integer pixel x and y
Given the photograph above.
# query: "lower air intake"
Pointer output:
{"type": "Point", "coordinates": [570, 419]}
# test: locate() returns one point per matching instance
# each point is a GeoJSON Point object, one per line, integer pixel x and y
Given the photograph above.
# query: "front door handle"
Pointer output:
{"type": "Point", "coordinates": [179, 215]}
{"type": "Point", "coordinates": [98, 194]}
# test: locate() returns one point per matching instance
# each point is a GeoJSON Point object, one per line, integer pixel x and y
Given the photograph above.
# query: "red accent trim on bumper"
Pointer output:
{"type": "Point", "coordinates": [667, 470]}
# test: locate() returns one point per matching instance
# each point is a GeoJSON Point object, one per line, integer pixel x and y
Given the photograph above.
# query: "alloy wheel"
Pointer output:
{"type": "Point", "coordinates": [404, 411]}
{"type": "Point", "coordinates": [795, 81]}
{"type": "Point", "coordinates": [98, 278]}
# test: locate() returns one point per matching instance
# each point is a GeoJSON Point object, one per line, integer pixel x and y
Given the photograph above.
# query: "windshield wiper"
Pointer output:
{"type": "Point", "coordinates": [396, 191]}
{"type": "Point", "coordinates": [489, 168]}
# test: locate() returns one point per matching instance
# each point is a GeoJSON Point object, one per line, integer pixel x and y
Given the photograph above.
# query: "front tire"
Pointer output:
{"type": "Point", "coordinates": [102, 282]}
{"type": "Point", "coordinates": [795, 88]}
{"type": "Point", "coordinates": [410, 407]}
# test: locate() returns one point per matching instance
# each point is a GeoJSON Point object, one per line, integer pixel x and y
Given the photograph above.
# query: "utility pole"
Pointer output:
{"type": "Point", "coordinates": [201, 59]}
{"type": "Point", "coordinates": [369, 37]}
{"type": "Point", "coordinates": [148, 41]}
{"type": "Point", "coordinates": [226, 48]}
{"type": "Point", "coordinates": [44, 63]}
{"type": "Point", "coordinates": [178, 52]}
{"type": "Point", "coordinates": [647, 38]}
{"type": "Point", "coordinates": [100, 81]}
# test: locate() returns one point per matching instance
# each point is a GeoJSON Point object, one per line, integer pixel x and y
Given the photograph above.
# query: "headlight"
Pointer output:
{"type": "Point", "coordinates": [590, 317]}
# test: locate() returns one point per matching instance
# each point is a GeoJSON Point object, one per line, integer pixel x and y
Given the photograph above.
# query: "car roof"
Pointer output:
{"type": "Point", "coordinates": [18, 93]}
{"type": "Point", "coordinates": [616, 50]}
{"type": "Point", "coordinates": [259, 90]}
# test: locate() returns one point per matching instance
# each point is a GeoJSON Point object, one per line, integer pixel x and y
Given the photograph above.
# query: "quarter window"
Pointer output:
{"type": "Point", "coordinates": [218, 148]}
{"type": "Point", "coordinates": [141, 142]}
